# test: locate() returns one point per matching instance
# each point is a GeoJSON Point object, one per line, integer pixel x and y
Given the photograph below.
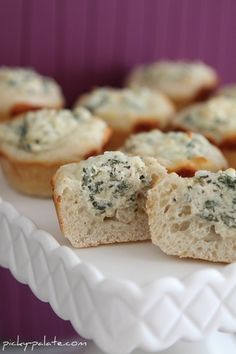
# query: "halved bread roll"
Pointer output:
{"type": "Point", "coordinates": [102, 200]}
{"type": "Point", "coordinates": [23, 90]}
{"type": "Point", "coordinates": [216, 120]}
{"type": "Point", "coordinates": [184, 82]}
{"type": "Point", "coordinates": [195, 217]}
{"type": "Point", "coordinates": [183, 153]}
{"type": "Point", "coordinates": [33, 146]}
{"type": "Point", "coordinates": [128, 111]}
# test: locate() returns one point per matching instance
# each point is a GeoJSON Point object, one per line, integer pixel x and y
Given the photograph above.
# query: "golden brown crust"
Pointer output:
{"type": "Point", "coordinates": [145, 125]}
{"type": "Point", "coordinates": [205, 92]}
{"type": "Point", "coordinates": [184, 171]}
{"type": "Point", "coordinates": [201, 95]}
{"type": "Point", "coordinates": [230, 156]}
{"type": "Point", "coordinates": [142, 125]}
{"type": "Point", "coordinates": [228, 149]}
{"type": "Point", "coordinates": [228, 143]}
{"type": "Point", "coordinates": [28, 178]}
{"type": "Point", "coordinates": [189, 168]}
{"type": "Point", "coordinates": [21, 108]}
{"type": "Point", "coordinates": [117, 140]}
{"type": "Point", "coordinates": [34, 178]}
{"type": "Point", "coordinates": [106, 139]}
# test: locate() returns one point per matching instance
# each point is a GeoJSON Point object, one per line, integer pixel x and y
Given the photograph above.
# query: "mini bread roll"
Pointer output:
{"type": "Point", "coordinates": [195, 217]}
{"type": "Point", "coordinates": [184, 82]}
{"type": "Point", "coordinates": [128, 111]}
{"type": "Point", "coordinates": [23, 90]}
{"type": "Point", "coordinates": [34, 145]}
{"type": "Point", "coordinates": [216, 120]}
{"type": "Point", "coordinates": [102, 200]}
{"type": "Point", "coordinates": [183, 153]}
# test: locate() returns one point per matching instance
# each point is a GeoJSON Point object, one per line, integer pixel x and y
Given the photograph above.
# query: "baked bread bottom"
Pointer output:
{"type": "Point", "coordinates": [29, 178]}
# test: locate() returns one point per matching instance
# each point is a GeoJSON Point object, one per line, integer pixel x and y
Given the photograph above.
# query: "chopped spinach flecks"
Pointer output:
{"type": "Point", "coordinates": [96, 101]}
{"type": "Point", "coordinates": [209, 217]}
{"type": "Point", "coordinates": [121, 187]}
{"type": "Point", "coordinates": [110, 184]}
{"type": "Point", "coordinates": [228, 181]}
{"type": "Point", "coordinates": [190, 144]}
{"type": "Point", "coordinates": [210, 205]}
{"type": "Point", "coordinates": [22, 129]}
{"type": "Point", "coordinates": [114, 162]}
{"type": "Point", "coordinates": [203, 176]}
{"type": "Point", "coordinates": [228, 220]}
{"type": "Point", "coordinates": [209, 208]}
{"type": "Point", "coordinates": [12, 82]}
{"type": "Point", "coordinates": [215, 197]}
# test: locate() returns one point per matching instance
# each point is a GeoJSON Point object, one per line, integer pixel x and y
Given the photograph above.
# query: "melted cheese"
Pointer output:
{"type": "Point", "coordinates": [122, 107]}
{"type": "Point", "coordinates": [215, 118]}
{"type": "Point", "coordinates": [25, 86]}
{"type": "Point", "coordinates": [111, 184]}
{"type": "Point", "coordinates": [174, 148]}
{"type": "Point", "coordinates": [213, 198]}
{"type": "Point", "coordinates": [177, 79]}
{"type": "Point", "coordinates": [44, 130]}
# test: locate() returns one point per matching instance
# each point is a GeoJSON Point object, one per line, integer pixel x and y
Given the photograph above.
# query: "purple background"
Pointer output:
{"type": "Point", "coordinates": [95, 42]}
{"type": "Point", "coordinates": [83, 43]}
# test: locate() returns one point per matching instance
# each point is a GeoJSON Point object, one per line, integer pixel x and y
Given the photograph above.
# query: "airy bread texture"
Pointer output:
{"type": "Point", "coordinates": [183, 153]}
{"type": "Point", "coordinates": [195, 217]}
{"type": "Point", "coordinates": [216, 120]}
{"type": "Point", "coordinates": [34, 145]}
{"type": "Point", "coordinates": [128, 111]}
{"type": "Point", "coordinates": [102, 200]}
{"type": "Point", "coordinates": [182, 81]}
{"type": "Point", "coordinates": [23, 90]}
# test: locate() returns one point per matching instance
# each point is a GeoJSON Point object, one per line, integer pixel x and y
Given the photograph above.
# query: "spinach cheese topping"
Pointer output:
{"type": "Point", "coordinates": [26, 80]}
{"type": "Point", "coordinates": [213, 197]}
{"type": "Point", "coordinates": [97, 99]}
{"type": "Point", "coordinates": [124, 100]}
{"type": "Point", "coordinates": [215, 118]}
{"type": "Point", "coordinates": [172, 147]}
{"type": "Point", "coordinates": [113, 182]}
{"type": "Point", "coordinates": [42, 130]}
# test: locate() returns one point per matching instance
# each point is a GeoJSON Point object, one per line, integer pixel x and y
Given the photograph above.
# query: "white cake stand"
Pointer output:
{"type": "Point", "coordinates": [123, 297]}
